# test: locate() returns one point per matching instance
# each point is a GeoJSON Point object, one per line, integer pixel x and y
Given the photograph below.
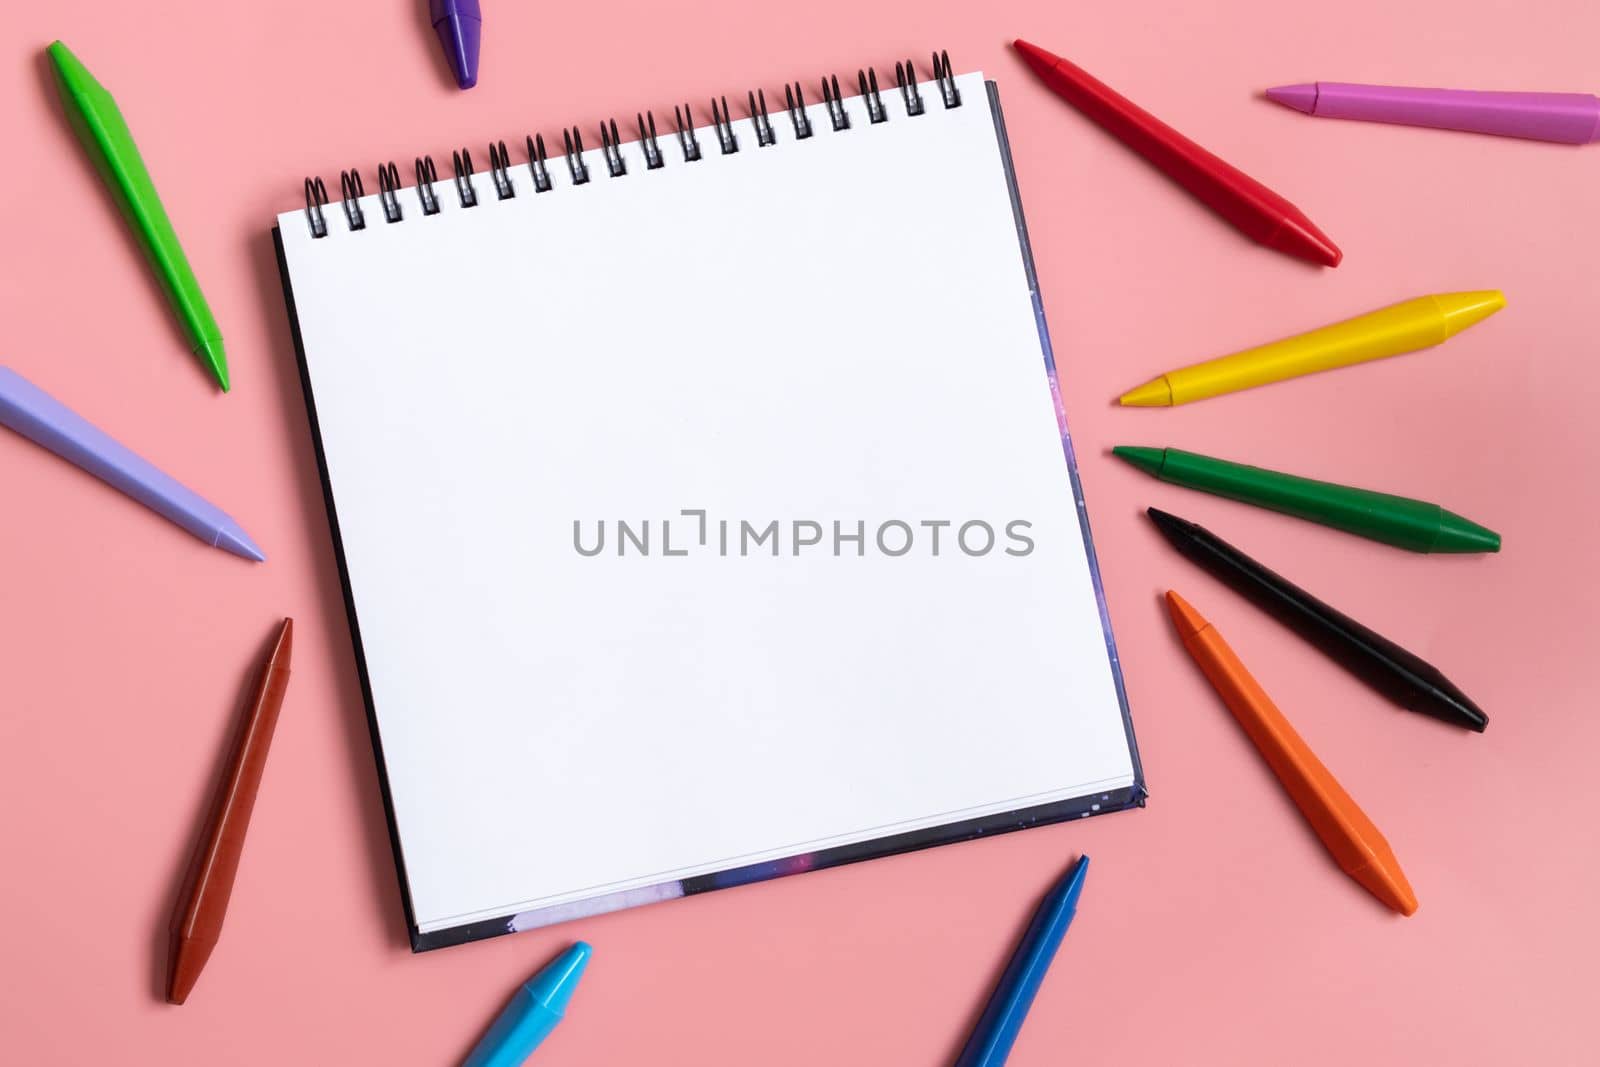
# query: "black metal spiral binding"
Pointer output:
{"type": "Point", "coordinates": [500, 171]}
{"type": "Point", "coordinates": [794, 98]}
{"type": "Point", "coordinates": [686, 138]}
{"type": "Point", "coordinates": [946, 79]}
{"type": "Point", "coordinates": [350, 194]}
{"type": "Point", "coordinates": [758, 118]}
{"type": "Point", "coordinates": [648, 142]}
{"type": "Point", "coordinates": [537, 163]}
{"type": "Point", "coordinates": [906, 77]}
{"type": "Point", "coordinates": [316, 200]}
{"type": "Point", "coordinates": [427, 174]}
{"type": "Point", "coordinates": [611, 148]}
{"type": "Point", "coordinates": [388, 187]}
{"type": "Point", "coordinates": [352, 191]}
{"type": "Point", "coordinates": [573, 140]}
{"type": "Point", "coordinates": [835, 104]}
{"type": "Point", "coordinates": [869, 93]}
{"type": "Point", "coordinates": [723, 121]}
{"type": "Point", "coordinates": [461, 163]}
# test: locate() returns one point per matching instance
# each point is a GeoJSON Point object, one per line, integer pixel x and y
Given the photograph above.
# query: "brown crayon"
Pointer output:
{"type": "Point", "coordinates": [197, 923]}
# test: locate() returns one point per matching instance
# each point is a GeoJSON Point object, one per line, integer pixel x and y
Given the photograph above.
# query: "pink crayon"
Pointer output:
{"type": "Point", "coordinates": [1570, 118]}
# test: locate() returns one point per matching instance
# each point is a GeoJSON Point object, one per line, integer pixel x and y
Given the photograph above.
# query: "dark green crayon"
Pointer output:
{"type": "Point", "coordinates": [1394, 520]}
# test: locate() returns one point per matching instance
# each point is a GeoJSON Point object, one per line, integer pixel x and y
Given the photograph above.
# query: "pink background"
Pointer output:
{"type": "Point", "coordinates": [1214, 929]}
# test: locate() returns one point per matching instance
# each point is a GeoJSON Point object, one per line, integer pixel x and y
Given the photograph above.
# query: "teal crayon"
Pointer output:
{"type": "Point", "coordinates": [534, 1011]}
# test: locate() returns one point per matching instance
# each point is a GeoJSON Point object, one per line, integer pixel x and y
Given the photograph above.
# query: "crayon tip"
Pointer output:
{"type": "Point", "coordinates": [1463, 535]}
{"type": "Point", "coordinates": [1188, 621]}
{"type": "Point", "coordinates": [65, 62]}
{"type": "Point", "coordinates": [1072, 885]}
{"type": "Point", "coordinates": [1172, 528]}
{"type": "Point", "coordinates": [238, 542]}
{"type": "Point", "coordinates": [554, 985]}
{"type": "Point", "coordinates": [1461, 310]}
{"type": "Point", "coordinates": [1299, 238]}
{"type": "Point", "coordinates": [283, 647]}
{"type": "Point", "coordinates": [1034, 56]}
{"type": "Point", "coordinates": [1458, 534]}
{"type": "Point", "coordinates": [72, 77]}
{"type": "Point", "coordinates": [1451, 705]}
{"type": "Point", "coordinates": [212, 354]}
{"type": "Point", "coordinates": [1300, 97]}
{"type": "Point", "coordinates": [1149, 460]}
{"type": "Point", "coordinates": [1461, 707]}
{"type": "Point", "coordinates": [459, 24]}
{"type": "Point", "coordinates": [1388, 883]}
{"type": "Point", "coordinates": [1156, 393]}
{"type": "Point", "coordinates": [186, 958]}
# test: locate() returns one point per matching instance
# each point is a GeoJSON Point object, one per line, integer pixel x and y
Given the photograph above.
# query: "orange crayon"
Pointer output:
{"type": "Point", "coordinates": [1357, 846]}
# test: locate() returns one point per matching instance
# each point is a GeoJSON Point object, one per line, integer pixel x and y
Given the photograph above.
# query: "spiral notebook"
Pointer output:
{"type": "Point", "coordinates": [704, 503]}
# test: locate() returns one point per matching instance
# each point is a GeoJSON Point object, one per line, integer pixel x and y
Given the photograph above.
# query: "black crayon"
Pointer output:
{"type": "Point", "coordinates": [1403, 677]}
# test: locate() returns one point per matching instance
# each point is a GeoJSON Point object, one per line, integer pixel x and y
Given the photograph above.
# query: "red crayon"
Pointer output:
{"type": "Point", "coordinates": [204, 901]}
{"type": "Point", "coordinates": [1258, 212]}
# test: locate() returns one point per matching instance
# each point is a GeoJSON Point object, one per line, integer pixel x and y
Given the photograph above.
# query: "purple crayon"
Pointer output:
{"type": "Point", "coordinates": [459, 24]}
{"type": "Point", "coordinates": [1570, 118]}
{"type": "Point", "coordinates": [42, 419]}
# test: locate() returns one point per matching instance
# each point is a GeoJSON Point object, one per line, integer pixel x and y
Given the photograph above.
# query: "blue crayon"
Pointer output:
{"type": "Point", "coordinates": [997, 1029]}
{"type": "Point", "coordinates": [532, 1013]}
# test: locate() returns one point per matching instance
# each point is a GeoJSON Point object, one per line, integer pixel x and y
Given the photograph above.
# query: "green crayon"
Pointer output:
{"type": "Point", "coordinates": [100, 126]}
{"type": "Point", "coordinates": [1394, 520]}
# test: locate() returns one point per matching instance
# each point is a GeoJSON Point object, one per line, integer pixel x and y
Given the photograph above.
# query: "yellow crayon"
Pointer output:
{"type": "Point", "coordinates": [1391, 331]}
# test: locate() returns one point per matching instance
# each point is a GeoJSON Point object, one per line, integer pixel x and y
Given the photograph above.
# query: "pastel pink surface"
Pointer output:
{"type": "Point", "coordinates": [1213, 930]}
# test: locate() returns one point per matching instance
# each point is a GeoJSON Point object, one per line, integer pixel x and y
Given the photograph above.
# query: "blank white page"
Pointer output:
{"type": "Point", "coordinates": [838, 329]}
